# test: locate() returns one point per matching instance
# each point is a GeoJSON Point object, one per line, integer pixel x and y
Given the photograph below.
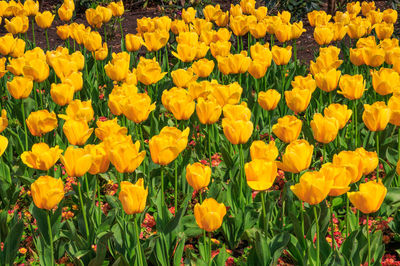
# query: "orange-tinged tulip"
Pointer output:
{"type": "Point", "coordinates": [269, 99]}
{"type": "Point", "coordinates": [178, 26]}
{"type": "Point", "coordinates": [352, 87]}
{"type": "Point", "coordinates": [220, 48]}
{"type": "Point", "coordinates": [375, 17]}
{"type": "Point", "coordinates": [385, 81]}
{"type": "Point", "coordinates": [208, 111]}
{"type": "Point", "coordinates": [325, 129]}
{"type": "Point", "coordinates": [100, 161]}
{"type": "Point", "coordinates": [148, 71]}
{"type": "Point", "coordinates": [328, 80]}
{"type": "Point", "coordinates": [166, 146]}
{"type": "Point", "coordinates": [101, 53]}
{"type": "Point", "coordinates": [3, 120]}
{"type": "Point", "coordinates": [202, 89]}
{"type": "Point", "coordinates": [227, 94]}
{"type": "Point", "coordinates": [203, 67]}
{"type": "Point", "coordinates": [182, 77]}
{"type": "Point", "coordinates": [3, 144]}
{"type": "Point", "coordinates": [117, 8]}
{"type": "Point", "coordinates": [42, 157]}
{"type": "Point", "coordinates": [340, 112]}
{"type": "Point", "coordinates": [383, 30]}
{"type": "Point", "coordinates": [117, 70]}
{"type": "Point", "coordinates": [44, 19]}
{"type": "Point", "coordinates": [357, 29]}
{"type": "Point", "coordinates": [376, 116]}
{"type": "Point", "coordinates": [92, 41]}
{"type": "Point", "coordinates": [119, 96]}
{"type": "Point", "coordinates": [109, 128]}
{"type": "Point", "coordinates": [261, 52]}
{"type": "Point", "coordinates": [313, 187]}
{"type": "Point", "coordinates": [394, 106]}
{"type": "Point", "coordinates": [138, 107]}
{"type": "Point", "coordinates": [288, 128]}
{"type": "Point", "coordinates": [239, 25]}
{"type": "Point", "coordinates": [369, 197]}
{"type": "Point", "coordinates": [20, 87]}
{"type": "Point", "coordinates": [398, 167]}
{"type": "Point", "coordinates": [298, 99]}
{"type": "Point", "coordinates": [41, 122]}
{"type": "Point", "coordinates": [366, 7]}
{"type": "Point", "coordinates": [65, 13]}
{"type": "Point", "coordinates": [77, 161]}
{"type": "Point", "coordinates": [198, 175]}
{"type": "Point", "coordinates": [339, 31]}
{"type": "Point", "coordinates": [210, 214]}
{"type": "Point", "coordinates": [306, 82]}
{"type": "Point", "coordinates": [77, 131]}
{"type": "Point", "coordinates": [63, 31]}
{"type": "Point", "coordinates": [133, 196]}
{"type": "Point", "coordinates": [373, 56]}
{"type": "Point", "coordinates": [3, 70]}
{"type": "Point", "coordinates": [133, 42]}
{"type": "Point", "coordinates": [260, 150]}
{"type": "Point", "coordinates": [352, 161]}
{"type": "Point", "coordinates": [37, 69]}
{"type": "Point", "coordinates": [369, 160]}
{"type": "Point", "coordinates": [318, 17]}
{"type": "Point", "coordinates": [237, 131]}
{"type": "Point", "coordinates": [260, 174]}
{"type": "Point", "coordinates": [390, 16]}
{"type": "Point", "coordinates": [323, 35]}
{"type": "Point", "coordinates": [339, 175]}
{"type": "Point", "coordinates": [188, 14]}
{"type": "Point", "coordinates": [15, 25]}
{"type": "Point", "coordinates": [7, 43]}
{"type": "Point", "coordinates": [94, 17]}
{"type": "Point", "coordinates": [258, 68]}
{"type": "Point", "coordinates": [237, 112]}
{"type": "Point", "coordinates": [47, 192]}
{"type": "Point", "coordinates": [283, 32]}
{"type": "Point", "coordinates": [154, 41]}
{"type": "Point", "coordinates": [125, 156]}
{"type": "Point", "coordinates": [297, 156]}
{"type": "Point", "coordinates": [62, 93]}
{"type": "Point", "coordinates": [281, 55]}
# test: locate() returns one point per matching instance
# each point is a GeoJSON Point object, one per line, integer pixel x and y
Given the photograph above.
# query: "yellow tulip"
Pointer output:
{"type": "Point", "coordinates": [352, 161]}
{"type": "Point", "coordinates": [298, 99]}
{"type": "Point", "coordinates": [178, 26]}
{"type": "Point", "coordinates": [75, 80]}
{"type": "Point", "coordinates": [42, 157]}
{"type": "Point", "coordinates": [201, 89]}
{"type": "Point", "coordinates": [154, 41]}
{"type": "Point", "coordinates": [41, 122]}
{"type": "Point", "coordinates": [126, 157]}
{"type": "Point", "coordinates": [394, 106]}
{"type": "Point", "coordinates": [138, 107]}
{"type": "Point", "coordinates": [237, 131]}
{"type": "Point", "coordinates": [182, 78]}
{"type": "Point", "coordinates": [117, 8]}
{"type": "Point", "coordinates": [3, 120]}
{"type": "Point", "coordinates": [352, 87]}
{"type": "Point", "coordinates": [94, 17]}
{"type": "Point", "coordinates": [133, 196]}
{"type": "Point", "coordinates": [227, 94]}
{"type": "Point", "coordinates": [77, 161]}
{"type": "Point", "coordinates": [117, 70]}
{"type": "Point", "coordinates": [260, 150]}
{"type": "Point", "coordinates": [210, 214]}
{"type": "Point", "coordinates": [269, 99]}
{"type": "Point", "coordinates": [20, 87]}
{"type": "Point", "coordinates": [373, 56]}
{"type": "Point", "coordinates": [220, 48]}
{"type": "Point", "coordinates": [101, 53]}
{"type": "Point", "coordinates": [258, 30]}
{"type": "Point", "coordinates": [376, 116]}
{"type": "Point", "coordinates": [77, 131]}
{"type": "Point", "coordinates": [198, 175]}
{"type": "Point", "coordinates": [260, 174]}
{"type": "Point", "coordinates": [313, 187]}
{"type": "Point", "coordinates": [258, 68]}
{"type": "Point", "coordinates": [203, 67]}
{"type": "Point", "coordinates": [15, 25]}
{"type": "Point", "coordinates": [325, 129]}
{"type": "Point", "coordinates": [328, 80]}
{"type": "Point", "coordinates": [339, 31]}
{"type": "Point", "coordinates": [366, 7]}
{"type": "Point", "coordinates": [92, 41]}
{"type": "Point", "coordinates": [339, 112]}
{"type": "Point", "coordinates": [3, 70]}
{"type": "Point", "coordinates": [385, 81]}
{"type": "Point", "coordinates": [296, 30]}
{"type": "Point", "coordinates": [119, 96]}
{"type": "Point", "coordinates": [65, 13]}
{"type": "Point", "coordinates": [148, 71]}
{"type": "Point", "coordinates": [306, 82]}
{"type": "Point", "coordinates": [369, 197]}
{"type": "Point", "coordinates": [281, 55]}
{"type": "Point", "coordinates": [261, 52]}
{"type": "Point", "coordinates": [62, 93]}
{"type": "Point", "coordinates": [37, 69]}
{"type": "Point", "coordinates": [383, 30]}
{"type": "Point", "coordinates": [369, 160]}
{"type": "Point", "coordinates": [323, 35]}
{"type": "Point", "coordinates": [283, 32]}
{"type": "Point", "coordinates": [297, 156]}
{"type": "Point", "coordinates": [390, 16]}
{"type": "Point", "coordinates": [47, 192]}
{"type": "Point", "coordinates": [239, 25]}
{"type": "Point", "coordinates": [44, 20]}
{"type": "Point", "coordinates": [100, 161]}
{"type": "Point", "coordinates": [63, 31]}
{"type": "Point", "coordinates": [133, 42]}
{"type": "Point", "coordinates": [237, 112]}
{"type": "Point", "coordinates": [106, 13]}
{"type": "Point", "coordinates": [208, 111]}
{"type": "Point", "coordinates": [188, 14]}
{"type": "Point", "coordinates": [288, 128]}
{"type": "Point", "coordinates": [339, 175]}
{"type": "Point", "coordinates": [31, 7]}
{"type": "Point", "coordinates": [318, 17]}
{"type": "Point", "coordinates": [109, 128]}
{"type": "Point", "coordinates": [3, 144]}
{"type": "Point", "coordinates": [7, 43]}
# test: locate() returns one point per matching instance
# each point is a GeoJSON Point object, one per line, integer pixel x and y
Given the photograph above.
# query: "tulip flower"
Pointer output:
{"type": "Point", "coordinates": [385, 81]}
{"type": "Point", "coordinates": [92, 41]}
{"type": "Point", "coordinates": [297, 157]}
{"type": "Point", "coordinates": [44, 19]}
{"type": "Point", "coordinates": [182, 78]}
{"type": "Point", "coordinates": [117, 8]}
{"type": "Point", "coordinates": [352, 87]}
{"type": "Point", "coordinates": [383, 30]}
{"type": "Point", "coordinates": [323, 35]}
{"type": "Point", "coordinates": [77, 131]}
{"type": "Point", "coordinates": [119, 96]}
{"type": "Point", "coordinates": [373, 56]}
{"type": "Point", "coordinates": [257, 69]}
{"type": "Point", "coordinates": [220, 48]}
{"type": "Point", "coordinates": [325, 129]}
{"type": "Point", "coordinates": [369, 160]}
{"type": "Point", "coordinates": [203, 67]}
{"type": "Point", "coordinates": [339, 175]}
{"type": "Point", "coordinates": [126, 157]}
{"type": "Point", "coordinates": [376, 116]}
{"type": "Point", "coordinates": [100, 162]}
{"type": "Point", "coordinates": [237, 112]}
{"type": "Point", "coordinates": [65, 13]}
{"type": "Point", "coordinates": [109, 128]}
{"type": "Point", "coordinates": [318, 17]}
{"type": "Point", "coordinates": [47, 192]}
{"type": "Point", "coordinates": [366, 7]}
{"type": "Point", "coordinates": [75, 80]}
{"type": "Point", "coordinates": [239, 25]}
{"type": "Point", "coordinates": [389, 16]}
{"type": "Point", "coordinates": [298, 99]}
{"type": "Point", "coordinates": [3, 120]}
{"type": "Point", "coordinates": [166, 146]}
{"type": "Point", "coordinates": [352, 161]}
{"type": "Point", "coordinates": [62, 94]}
{"type": "Point", "coordinates": [7, 44]}
{"type": "Point", "coordinates": [31, 7]}
{"type": "Point", "coordinates": [288, 128]}
{"type": "Point", "coordinates": [328, 80]}
{"type": "Point", "coordinates": [37, 69]}
{"type": "Point", "coordinates": [339, 31]}
{"type": "Point", "coordinates": [138, 107]}
{"type": "Point", "coordinates": [76, 161]}
{"type": "Point", "coordinates": [281, 55]}
{"type": "Point", "coordinates": [260, 174]}
{"type": "Point", "coordinates": [133, 196]}
{"type": "Point", "coordinates": [41, 122]}
{"type": "Point", "coordinates": [237, 131]}
{"type": "Point", "coordinates": [148, 71]}
{"type": "Point", "coordinates": [3, 144]}
{"type": "Point", "coordinates": [208, 111]}
{"type": "Point", "coordinates": [210, 214]}
{"type": "Point", "coordinates": [394, 106]}
{"type": "Point", "coordinates": [133, 42]}
{"type": "Point", "coordinates": [15, 25]}
{"type": "Point", "coordinates": [117, 70]}
{"type": "Point", "coordinates": [363, 199]}
{"type": "Point", "coordinates": [269, 99]}
{"type": "Point", "coordinates": [42, 157]}
{"type": "Point", "coordinates": [198, 175]}
{"type": "Point", "coordinates": [260, 150]}
{"type": "Point", "coordinates": [154, 41]}
{"type": "Point", "coordinates": [94, 17]}
{"type": "Point", "coordinates": [304, 83]}
{"type": "Point", "coordinates": [313, 187]}
{"type": "Point", "coordinates": [20, 87]}
{"type": "Point", "coordinates": [202, 89]}
{"type": "Point", "coordinates": [340, 112]}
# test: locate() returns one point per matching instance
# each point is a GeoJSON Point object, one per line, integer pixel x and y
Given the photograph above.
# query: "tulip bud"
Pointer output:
{"type": "Point", "coordinates": [313, 187]}
{"type": "Point", "coordinates": [363, 199]}
{"type": "Point", "coordinates": [76, 161]}
{"type": "Point", "coordinates": [297, 157]}
{"type": "Point", "coordinates": [210, 214]}
{"type": "Point", "coordinates": [198, 175]}
{"type": "Point", "coordinates": [47, 192]}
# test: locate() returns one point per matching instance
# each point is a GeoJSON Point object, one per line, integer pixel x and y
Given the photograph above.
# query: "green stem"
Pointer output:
{"type": "Point", "coordinates": [302, 218]}
{"type": "Point", "coordinates": [241, 166]}
{"type": "Point", "coordinates": [139, 247]}
{"type": "Point", "coordinates": [269, 124]}
{"type": "Point", "coordinates": [209, 250]}
{"type": "Point", "coordinates": [17, 136]}
{"type": "Point", "coordinates": [33, 32]}
{"type": "Point", "coordinates": [176, 186]}
{"type": "Point", "coordinates": [83, 209]}
{"type": "Point", "coordinates": [209, 144]}
{"type": "Point", "coordinates": [99, 200]}
{"type": "Point", "coordinates": [264, 212]}
{"type": "Point", "coordinates": [47, 39]}
{"type": "Point", "coordinates": [332, 226]}
{"type": "Point", "coordinates": [377, 152]}
{"type": "Point", "coordinates": [24, 122]}
{"type": "Point", "coordinates": [317, 227]}
{"type": "Point", "coordinates": [51, 237]}
{"type": "Point", "coordinates": [162, 185]}
{"type": "Point", "coordinates": [347, 216]}
{"type": "Point", "coordinates": [355, 123]}
{"type": "Point", "coordinates": [122, 32]}
{"type": "Point", "coordinates": [369, 241]}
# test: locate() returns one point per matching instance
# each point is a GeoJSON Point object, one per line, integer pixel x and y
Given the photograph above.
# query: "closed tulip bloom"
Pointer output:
{"type": "Point", "coordinates": [283, 32]}
{"type": "Point", "coordinates": [3, 144]}
{"type": "Point", "coordinates": [325, 129]}
{"type": "Point", "coordinates": [42, 157]}
{"type": "Point", "coordinates": [20, 87]}
{"type": "Point", "coordinates": [44, 19]}
{"type": "Point", "coordinates": [318, 17]}
{"type": "Point", "coordinates": [47, 192]}
{"type": "Point", "coordinates": [385, 81]}
{"type": "Point", "coordinates": [357, 29]}
{"type": "Point", "coordinates": [394, 106]}
{"type": "Point", "coordinates": [352, 87]}
{"type": "Point", "coordinates": [260, 174]}
{"type": "Point", "coordinates": [198, 175]}
{"type": "Point", "coordinates": [323, 35]}
{"type": "Point", "coordinates": [339, 31]}
{"type": "Point", "coordinates": [117, 8]}
{"type": "Point", "coordinates": [118, 97]}
{"type": "Point", "coordinates": [313, 187]}
{"type": "Point", "coordinates": [376, 116]}
{"type": "Point", "coordinates": [41, 122]}
{"type": "Point", "coordinates": [390, 16]}
{"type": "Point", "coordinates": [188, 14]}
{"type": "Point", "coordinates": [258, 69]}
{"type": "Point", "coordinates": [31, 7]}
{"type": "Point", "coordinates": [369, 197]}
{"type": "Point", "coordinates": [148, 71]}
{"type": "Point", "coordinates": [237, 112]}
{"type": "Point", "coordinates": [202, 89]}
{"type": "Point", "coordinates": [237, 131]}
{"type": "Point", "coordinates": [222, 18]}
{"type": "Point", "coordinates": [108, 128]}
{"type": "Point", "coordinates": [383, 30]}
{"type": "Point", "coordinates": [77, 161]}
{"type": "Point", "coordinates": [261, 52]}
{"type": "Point", "coordinates": [352, 161]}
{"type": "Point", "coordinates": [92, 41]}
{"type": "Point", "coordinates": [106, 13]}
{"type": "Point", "coordinates": [100, 161]}
{"type": "Point", "coordinates": [133, 196]}
{"type": "Point", "coordinates": [75, 80]}
{"type": "Point", "coordinates": [7, 43]}
{"type": "Point", "coordinates": [117, 70]}
{"type": "Point", "coordinates": [210, 214]}
{"type": "Point", "coordinates": [3, 120]}
{"type": "Point", "coordinates": [65, 13]}
{"type": "Point", "coordinates": [239, 25]}
{"type": "Point", "coordinates": [37, 69]}
{"type": "Point", "coordinates": [227, 94]}
{"type": "Point", "coordinates": [63, 31]}
{"type": "Point", "coordinates": [101, 53]}
{"type": "Point", "coordinates": [340, 112]}
{"type": "Point", "coordinates": [138, 107]}
{"type": "Point", "coordinates": [15, 25]}
{"type": "Point", "coordinates": [373, 56]}
{"type": "Point", "coordinates": [297, 156]}
{"type": "Point", "coordinates": [298, 99]}
{"type": "Point", "coordinates": [182, 77]}
{"type": "Point", "coordinates": [307, 83]}
{"type": "Point", "coordinates": [296, 30]}
{"type": "Point", "coordinates": [77, 131]}
{"type": "Point", "coordinates": [328, 80]}
{"type": "Point", "coordinates": [203, 67]}
{"type": "Point", "coordinates": [269, 99]}
{"type": "Point", "coordinates": [94, 17]}
{"type": "Point", "coordinates": [281, 55]}
{"type": "Point", "coordinates": [126, 156]}
{"type": "Point", "coordinates": [62, 93]}
{"type": "Point", "coordinates": [288, 128]}
{"type": "Point", "coordinates": [166, 146]}
{"type": "Point", "coordinates": [208, 111]}
{"type": "Point", "coordinates": [366, 7]}
{"type": "Point", "coordinates": [133, 42]}
{"type": "Point", "coordinates": [220, 48]}
{"type": "Point", "coordinates": [260, 150]}
{"type": "Point", "coordinates": [339, 175]}
{"type": "Point", "coordinates": [369, 160]}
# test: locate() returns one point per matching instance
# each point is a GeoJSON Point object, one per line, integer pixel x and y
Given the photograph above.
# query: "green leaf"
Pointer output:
{"type": "Point", "coordinates": [12, 242]}
{"type": "Point", "coordinates": [101, 250]}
